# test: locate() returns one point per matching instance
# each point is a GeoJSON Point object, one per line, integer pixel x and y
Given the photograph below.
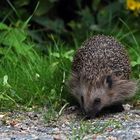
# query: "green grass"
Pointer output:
{"type": "Point", "coordinates": [28, 77]}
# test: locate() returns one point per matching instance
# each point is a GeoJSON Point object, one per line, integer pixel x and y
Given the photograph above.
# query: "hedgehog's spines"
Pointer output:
{"type": "Point", "coordinates": [102, 52]}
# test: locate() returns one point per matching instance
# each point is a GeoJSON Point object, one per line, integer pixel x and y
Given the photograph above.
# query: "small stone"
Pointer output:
{"type": "Point", "coordinates": [127, 107]}
{"type": "Point", "coordinates": [13, 138]}
{"type": "Point", "coordinates": [1, 116]}
{"type": "Point", "coordinates": [56, 130]}
{"type": "Point", "coordinates": [36, 138]}
{"type": "Point", "coordinates": [72, 108]}
{"type": "Point", "coordinates": [112, 138]}
{"type": "Point", "coordinates": [59, 137]}
{"type": "Point", "coordinates": [63, 125]}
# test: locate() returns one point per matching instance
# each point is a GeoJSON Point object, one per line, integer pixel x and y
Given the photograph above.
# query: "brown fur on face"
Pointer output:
{"type": "Point", "coordinates": [99, 94]}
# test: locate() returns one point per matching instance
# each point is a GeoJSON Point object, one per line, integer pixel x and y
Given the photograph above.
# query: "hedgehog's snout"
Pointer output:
{"type": "Point", "coordinates": [93, 110]}
{"type": "Point", "coordinates": [92, 114]}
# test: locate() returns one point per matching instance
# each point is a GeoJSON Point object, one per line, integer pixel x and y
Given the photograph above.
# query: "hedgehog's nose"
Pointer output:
{"type": "Point", "coordinates": [92, 114]}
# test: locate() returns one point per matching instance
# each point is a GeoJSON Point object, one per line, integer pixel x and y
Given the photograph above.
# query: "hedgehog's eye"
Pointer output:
{"type": "Point", "coordinates": [82, 99]}
{"type": "Point", "coordinates": [97, 100]}
{"type": "Point", "coordinates": [109, 81]}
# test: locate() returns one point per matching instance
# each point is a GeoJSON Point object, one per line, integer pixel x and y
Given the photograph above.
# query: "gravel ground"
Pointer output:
{"type": "Point", "coordinates": [31, 126]}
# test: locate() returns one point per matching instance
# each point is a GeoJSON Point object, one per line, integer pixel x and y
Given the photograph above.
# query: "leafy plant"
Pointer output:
{"type": "Point", "coordinates": [33, 78]}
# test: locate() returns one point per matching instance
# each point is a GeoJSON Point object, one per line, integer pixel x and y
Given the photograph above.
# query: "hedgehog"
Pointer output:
{"type": "Point", "coordinates": [100, 75]}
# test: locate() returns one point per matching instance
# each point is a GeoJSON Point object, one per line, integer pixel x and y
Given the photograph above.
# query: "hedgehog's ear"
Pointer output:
{"type": "Point", "coordinates": [109, 81]}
